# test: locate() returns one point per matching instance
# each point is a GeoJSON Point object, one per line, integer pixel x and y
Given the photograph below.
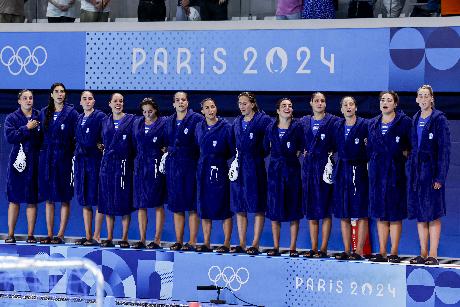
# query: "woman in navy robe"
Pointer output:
{"type": "Point", "coordinates": [427, 170]}
{"type": "Point", "coordinates": [388, 147]}
{"type": "Point", "coordinates": [116, 174]}
{"type": "Point", "coordinates": [284, 139]}
{"type": "Point", "coordinates": [214, 138]}
{"type": "Point", "coordinates": [58, 121]}
{"type": "Point", "coordinates": [180, 168]}
{"type": "Point", "coordinates": [351, 182]}
{"type": "Point", "coordinates": [317, 173]}
{"type": "Point", "coordinates": [87, 165]}
{"type": "Point", "coordinates": [22, 130]}
{"type": "Point", "coordinates": [248, 192]}
{"type": "Point", "coordinates": [149, 182]}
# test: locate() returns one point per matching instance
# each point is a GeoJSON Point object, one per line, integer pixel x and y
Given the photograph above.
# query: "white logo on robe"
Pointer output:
{"type": "Point", "coordinates": [251, 135]}
{"type": "Point", "coordinates": [124, 137]}
{"type": "Point", "coordinates": [185, 130]}
{"type": "Point", "coordinates": [20, 162]}
{"type": "Point", "coordinates": [155, 140]}
{"type": "Point", "coordinates": [38, 128]}
{"type": "Point", "coordinates": [62, 127]}
{"type": "Point", "coordinates": [397, 139]}
{"type": "Point", "coordinates": [288, 144]}
{"type": "Point", "coordinates": [356, 141]}
{"type": "Point", "coordinates": [214, 143]}
{"type": "Point", "coordinates": [87, 130]}
{"type": "Point", "coordinates": [323, 136]}
{"type": "Point", "coordinates": [430, 136]}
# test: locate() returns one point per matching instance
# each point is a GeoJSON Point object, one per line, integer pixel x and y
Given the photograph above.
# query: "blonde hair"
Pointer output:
{"type": "Point", "coordinates": [430, 89]}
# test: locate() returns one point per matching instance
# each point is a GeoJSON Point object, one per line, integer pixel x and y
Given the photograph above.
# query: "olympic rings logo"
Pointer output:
{"type": "Point", "coordinates": [228, 277]}
{"type": "Point", "coordinates": [23, 59]}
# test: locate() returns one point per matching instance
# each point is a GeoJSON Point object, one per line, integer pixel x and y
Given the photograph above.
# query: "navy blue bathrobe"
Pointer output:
{"type": "Point", "coordinates": [248, 193]}
{"type": "Point", "coordinates": [183, 152]}
{"type": "Point", "coordinates": [284, 173]}
{"type": "Point", "coordinates": [427, 164]}
{"type": "Point", "coordinates": [387, 179]}
{"type": "Point", "coordinates": [149, 183]}
{"type": "Point", "coordinates": [116, 176]}
{"type": "Point", "coordinates": [56, 156]}
{"type": "Point", "coordinates": [88, 158]}
{"type": "Point", "coordinates": [22, 187]}
{"type": "Point", "coordinates": [351, 181]}
{"type": "Point", "coordinates": [216, 149]}
{"type": "Point", "coordinates": [317, 194]}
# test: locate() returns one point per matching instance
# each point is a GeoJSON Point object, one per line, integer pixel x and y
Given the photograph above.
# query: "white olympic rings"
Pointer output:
{"type": "Point", "coordinates": [229, 277]}
{"type": "Point", "coordinates": [30, 63]}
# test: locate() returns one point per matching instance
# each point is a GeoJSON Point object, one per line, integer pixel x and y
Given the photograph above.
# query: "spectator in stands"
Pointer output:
{"type": "Point", "coordinates": [427, 171]}
{"type": "Point", "coordinates": [185, 8]}
{"type": "Point", "coordinates": [288, 9]}
{"type": "Point", "coordinates": [151, 10]}
{"type": "Point", "coordinates": [214, 9]}
{"type": "Point", "coordinates": [95, 10]}
{"type": "Point", "coordinates": [426, 8]}
{"type": "Point", "coordinates": [318, 9]}
{"type": "Point", "coordinates": [392, 8]}
{"type": "Point", "coordinates": [12, 11]}
{"type": "Point", "coordinates": [61, 11]}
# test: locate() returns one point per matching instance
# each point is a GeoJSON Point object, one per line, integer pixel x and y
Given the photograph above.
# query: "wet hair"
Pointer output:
{"type": "Point", "coordinates": [50, 110]}
{"type": "Point", "coordinates": [87, 91]}
{"type": "Point", "coordinates": [430, 89]}
{"type": "Point", "coordinates": [392, 93]}
{"type": "Point", "coordinates": [205, 100]}
{"type": "Point", "coordinates": [149, 101]}
{"type": "Point", "coordinates": [278, 105]}
{"type": "Point", "coordinates": [252, 99]}
{"type": "Point", "coordinates": [180, 92]}
{"type": "Point", "coordinates": [317, 93]}
{"type": "Point", "coordinates": [116, 93]}
{"type": "Point", "coordinates": [351, 97]}
{"type": "Point", "coordinates": [22, 92]}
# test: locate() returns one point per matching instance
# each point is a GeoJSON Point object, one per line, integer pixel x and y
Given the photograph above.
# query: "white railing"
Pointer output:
{"type": "Point", "coordinates": [20, 263]}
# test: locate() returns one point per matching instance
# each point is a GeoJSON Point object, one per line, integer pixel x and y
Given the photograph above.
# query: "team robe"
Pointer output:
{"type": "Point", "coordinates": [351, 181]}
{"type": "Point", "coordinates": [88, 158]}
{"type": "Point", "coordinates": [387, 179]}
{"type": "Point", "coordinates": [248, 193]}
{"type": "Point", "coordinates": [284, 199]}
{"type": "Point", "coordinates": [56, 156]}
{"type": "Point", "coordinates": [22, 187]}
{"type": "Point", "coordinates": [317, 194]}
{"type": "Point", "coordinates": [180, 165]}
{"type": "Point", "coordinates": [213, 185]}
{"type": "Point", "coordinates": [116, 175]}
{"type": "Point", "coordinates": [149, 183]}
{"type": "Point", "coordinates": [427, 164]}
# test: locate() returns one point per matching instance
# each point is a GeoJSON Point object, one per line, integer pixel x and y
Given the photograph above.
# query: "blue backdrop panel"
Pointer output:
{"type": "Point", "coordinates": [36, 60]}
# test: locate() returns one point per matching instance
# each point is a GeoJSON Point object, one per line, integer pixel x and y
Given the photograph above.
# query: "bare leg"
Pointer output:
{"type": "Point", "coordinates": [325, 233]}
{"type": "Point", "coordinates": [50, 218]}
{"type": "Point", "coordinates": [383, 229]}
{"type": "Point", "coordinates": [159, 222]}
{"type": "Point", "coordinates": [179, 224]}
{"type": "Point", "coordinates": [435, 234]}
{"type": "Point", "coordinates": [363, 227]}
{"type": "Point", "coordinates": [227, 226]}
{"type": "Point", "coordinates": [65, 213]}
{"type": "Point", "coordinates": [126, 219]}
{"type": "Point", "coordinates": [242, 224]}
{"type": "Point", "coordinates": [109, 220]}
{"type": "Point", "coordinates": [207, 226]}
{"type": "Point", "coordinates": [88, 220]}
{"type": "Point", "coordinates": [31, 213]}
{"type": "Point", "coordinates": [13, 213]}
{"type": "Point", "coordinates": [194, 225]}
{"type": "Point", "coordinates": [395, 234]}
{"type": "Point", "coordinates": [423, 235]}
{"type": "Point", "coordinates": [314, 231]}
{"type": "Point", "coordinates": [98, 226]}
{"type": "Point", "coordinates": [259, 221]}
{"type": "Point", "coordinates": [143, 220]}
{"type": "Point", "coordinates": [294, 227]}
{"type": "Point", "coordinates": [345, 226]}
{"type": "Point", "coordinates": [276, 229]}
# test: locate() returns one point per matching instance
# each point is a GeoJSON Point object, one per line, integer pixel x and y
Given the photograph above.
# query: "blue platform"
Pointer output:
{"type": "Point", "coordinates": [260, 280]}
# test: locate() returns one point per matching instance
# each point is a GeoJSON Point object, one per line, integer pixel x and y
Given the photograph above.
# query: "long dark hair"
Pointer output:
{"type": "Point", "coordinates": [278, 104]}
{"type": "Point", "coordinates": [393, 94]}
{"type": "Point", "coordinates": [50, 110]}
